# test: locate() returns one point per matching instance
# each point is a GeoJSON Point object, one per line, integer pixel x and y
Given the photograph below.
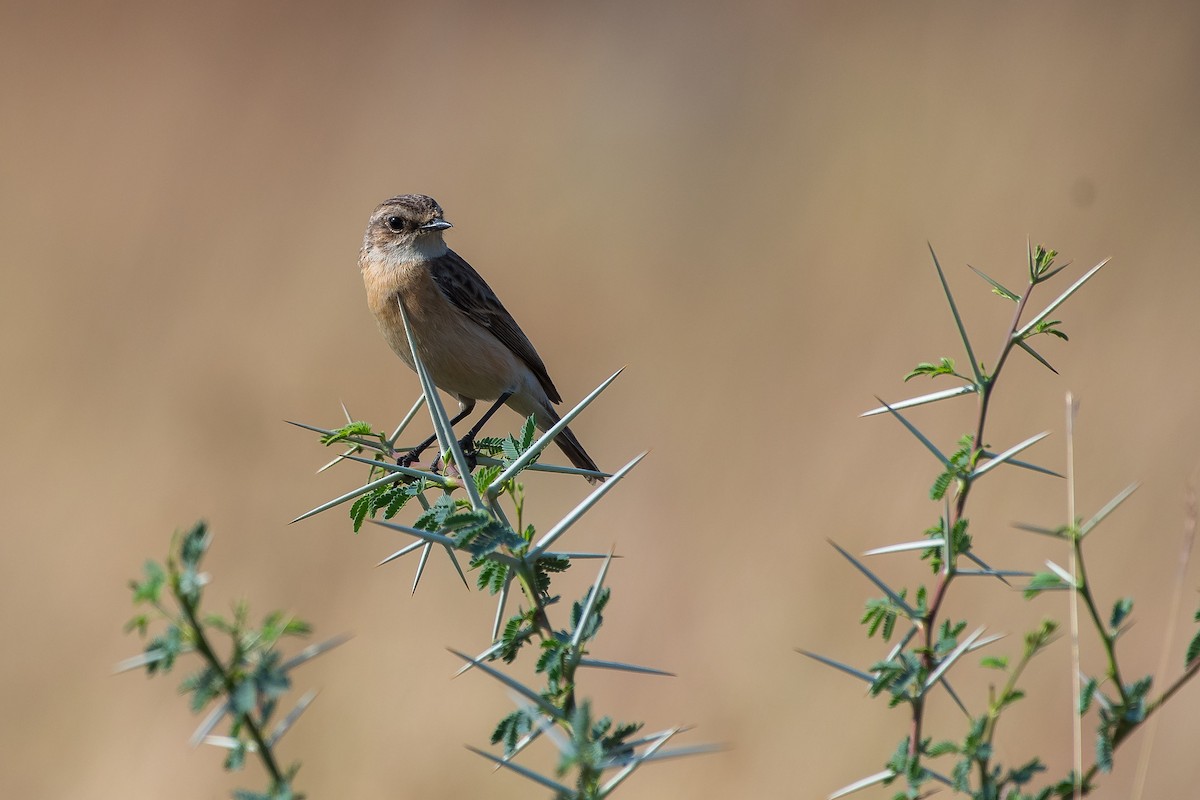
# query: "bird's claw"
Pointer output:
{"type": "Point", "coordinates": [469, 451]}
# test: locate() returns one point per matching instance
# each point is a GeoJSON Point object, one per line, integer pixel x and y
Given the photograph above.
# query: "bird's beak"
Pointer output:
{"type": "Point", "coordinates": [436, 225]}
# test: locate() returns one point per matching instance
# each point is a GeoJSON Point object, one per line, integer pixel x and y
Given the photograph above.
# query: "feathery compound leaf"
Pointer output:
{"type": "Point", "coordinates": [527, 433]}
{"type": "Point", "coordinates": [345, 433]}
{"type": "Point", "coordinates": [492, 576]}
{"type": "Point", "coordinates": [512, 728]}
{"type": "Point", "coordinates": [941, 485]}
{"type": "Point", "coordinates": [1044, 581]}
{"type": "Point", "coordinates": [1104, 752]}
{"type": "Point", "coordinates": [1086, 693]}
{"type": "Point", "coordinates": [880, 613]}
{"type": "Point", "coordinates": [941, 748]}
{"type": "Point", "coordinates": [1040, 262]}
{"type": "Point", "coordinates": [1121, 611]}
{"type": "Point", "coordinates": [1193, 650]}
{"type": "Point", "coordinates": [1048, 327]}
{"type": "Point", "coordinates": [358, 511]}
{"type": "Point", "coordinates": [943, 367]}
{"type": "Point", "coordinates": [433, 518]}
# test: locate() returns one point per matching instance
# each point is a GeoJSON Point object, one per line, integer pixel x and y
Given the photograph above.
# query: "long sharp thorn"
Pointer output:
{"type": "Point", "coordinates": [962, 330]}
{"type": "Point", "coordinates": [922, 438]}
{"type": "Point", "coordinates": [932, 397]}
{"type": "Point", "coordinates": [891, 593]}
{"type": "Point", "coordinates": [1074, 287]}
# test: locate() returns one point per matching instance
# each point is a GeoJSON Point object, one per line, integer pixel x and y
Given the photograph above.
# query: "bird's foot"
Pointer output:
{"type": "Point", "coordinates": [411, 457]}
{"type": "Point", "coordinates": [469, 451]}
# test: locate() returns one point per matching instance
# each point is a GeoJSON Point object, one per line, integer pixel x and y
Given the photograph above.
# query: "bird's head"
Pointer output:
{"type": "Point", "coordinates": [408, 227]}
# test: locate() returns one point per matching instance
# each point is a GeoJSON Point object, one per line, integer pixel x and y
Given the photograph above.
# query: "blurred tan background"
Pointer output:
{"type": "Point", "coordinates": [734, 201]}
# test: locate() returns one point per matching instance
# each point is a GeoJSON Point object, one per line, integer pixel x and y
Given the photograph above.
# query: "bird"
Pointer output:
{"type": "Point", "coordinates": [470, 345]}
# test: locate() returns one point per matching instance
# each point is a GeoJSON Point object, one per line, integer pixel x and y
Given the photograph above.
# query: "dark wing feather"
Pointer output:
{"type": "Point", "coordinates": [464, 287]}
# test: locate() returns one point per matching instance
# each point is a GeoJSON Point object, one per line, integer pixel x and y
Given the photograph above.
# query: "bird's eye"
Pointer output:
{"type": "Point", "coordinates": [395, 224]}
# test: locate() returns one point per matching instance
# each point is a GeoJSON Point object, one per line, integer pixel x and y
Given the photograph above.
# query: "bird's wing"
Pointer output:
{"type": "Point", "coordinates": [464, 287]}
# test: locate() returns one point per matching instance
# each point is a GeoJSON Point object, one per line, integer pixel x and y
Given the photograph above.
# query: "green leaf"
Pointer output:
{"type": "Point", "coordinates": [547, 566]}
{"type": "Point", "coordinates": [359, 429]}
{"type": "Point", "coordinates": [1136, 693]}
{"type": "Point", "coordinates": [511, 729]}
{"type": "Point", "coordinates": [1014, 696]}
{"type": "Point", "coordinates": [994, 662]}
{"type": "Point", "coordinates": [1120, 612]}
{"type": "Point", "coordinates": [940, 485]}
{"type": "Point", "coordinates": [1037, 639]}
{"type": "Point", "coordinates": [881, 613]}
{"type": "Point", "coordinates": [1086, 693]}
{"type": "Point", "coordinates": [528, 432]}
{"type": "Point", "coordinates": [485, 475]}
{"type": "Point", "coordinates": [1193, 650]}
{"type": "Point", "coordinates": [943, 367]}
{"type": "Point", "coordinates": [150, 589]}
{"type": "Point", "coordinates": [492, 576]}
{"type": "Point", "coordinates": [398, 497]}
{"type": "Point", "coordinates": [164, 649]}
{"type": "Point", "coordinates": [595, 619]}
{"type": "Point", "coordinates": [205, 685]}
{"type": "Point", "coordinates": [269, 680]}
{"type": "Point", "coordinates": [491, 445]}
{"type": "Point", "coordinates": [961, 775]}
{"type": "Point", "coordinates": [358, 511]}
{"type": "Point", "coordinates": [941, 749]}
{"type": "Point", "coordinates": [243, 698]}
{"type": "Point", "coordinates": [235, 759]}
{"type": "Point", "coordinates": [1104, 752]}
{"type": "Point", "coordinates": [1024, 774]}
{"type": "Point", "coordinates": [1048, 327]}
{"type": "Point", "coordinates": [1042, 582]}
{"type": "Point", "coordinates": [468, 520]}
{"type": "Point", "coordinates": [517, 631]}
{"type": "Point", "coordinates": [432, 519]}
{"type": "Point", "coordinates": [297, 627]}
{"type": "Point", "coordinates": [194, 545]}
{"type": "Point", "coordinates": [1040, 262]}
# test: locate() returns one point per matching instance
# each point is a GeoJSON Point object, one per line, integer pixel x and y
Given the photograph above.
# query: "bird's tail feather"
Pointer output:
{"type": "Point", "coordinates": [567, 442]}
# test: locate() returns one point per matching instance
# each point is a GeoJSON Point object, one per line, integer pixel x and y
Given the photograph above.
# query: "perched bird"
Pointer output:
{"type": "Point", "coordinates": [469, 343]}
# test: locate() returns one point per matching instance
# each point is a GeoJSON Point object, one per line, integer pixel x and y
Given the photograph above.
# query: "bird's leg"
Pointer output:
{"type": "Point", "coordinates": [467, 443]}
{"type": "Point", "coordinates": [410, 458]}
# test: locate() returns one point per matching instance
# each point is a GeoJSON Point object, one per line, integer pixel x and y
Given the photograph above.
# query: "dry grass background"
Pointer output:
{"type": "Point", "coordinates": [734, 201]}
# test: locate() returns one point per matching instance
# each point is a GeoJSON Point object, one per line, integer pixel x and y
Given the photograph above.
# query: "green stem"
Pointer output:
{"type": "Point", "coordinates": [1108, 640]}
{"type": "Point", "coordinates": [210, 655]}
{"type": "Point", "coordinates": [528, 581]}
{"type": "Point", "coordinates": [985, 388]}
{"type": "Point", "coordinates": [1125, 732]}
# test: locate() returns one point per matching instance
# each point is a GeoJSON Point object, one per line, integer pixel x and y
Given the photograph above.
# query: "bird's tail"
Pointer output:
{"type": "Point", "coordinates": [567, 442]}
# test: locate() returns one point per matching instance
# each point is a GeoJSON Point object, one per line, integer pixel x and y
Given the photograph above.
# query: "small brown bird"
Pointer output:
{"type": "Point", "coordinates": [469, 343]}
